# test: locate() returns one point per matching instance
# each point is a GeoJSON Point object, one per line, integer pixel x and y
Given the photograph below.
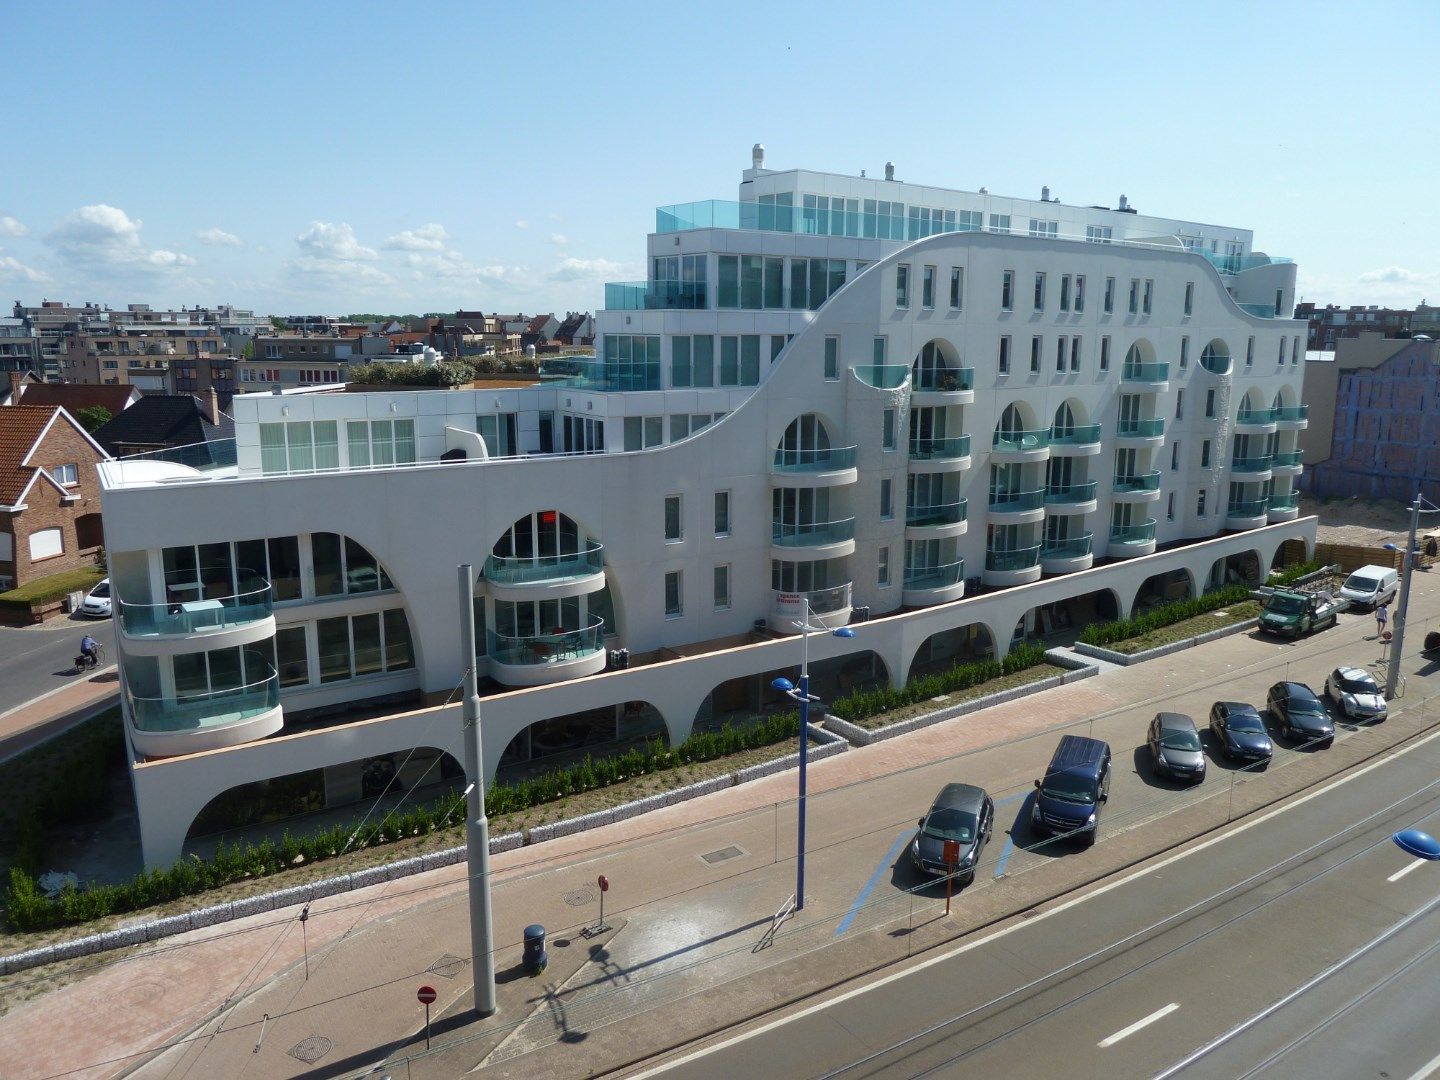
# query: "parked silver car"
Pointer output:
{"type": "Point", "coordinates": [1357, 693]}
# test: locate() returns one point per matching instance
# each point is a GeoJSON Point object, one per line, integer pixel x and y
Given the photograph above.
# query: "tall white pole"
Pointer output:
{"type": "Point", "coordinates": [477, 825]}
{"type": "Point", "coordinates": [804, 751]}
{"type": "Point", "coordinates": [1397, 645]}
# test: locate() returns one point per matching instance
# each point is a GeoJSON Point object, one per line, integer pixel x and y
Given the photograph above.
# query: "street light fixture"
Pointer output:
{"type": "Point", "coordinates": [801, 694]}
{"type": "Point", "coordinates": [1397, 646]}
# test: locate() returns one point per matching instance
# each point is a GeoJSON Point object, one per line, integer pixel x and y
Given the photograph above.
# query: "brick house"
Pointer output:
{"type": "Point", "coordinates": [49, 494]}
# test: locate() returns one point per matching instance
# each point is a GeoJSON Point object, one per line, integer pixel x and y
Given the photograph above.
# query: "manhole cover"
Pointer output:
{"type": "Point", "coordinates": [1029, 913]}
{"type": "Point", "coordinates": [311, 1050]}
{"type": "Point", "coordinates": [581, 897]}
{"type": "Point", "coordinates": [725, 854]}
{"type": "Point", "coordinates": [448, 966]}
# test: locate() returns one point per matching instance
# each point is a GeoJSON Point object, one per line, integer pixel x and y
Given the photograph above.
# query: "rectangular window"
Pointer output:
{"type": "Point", "coordinates": [882, 570]}
{"type": "Point", "coordinates": [66, 475]}
{"type": "Point", "coordinates": [729, 360]}
{"type": "Point", "coordinates": [1003, 365]}
{"type": "Point", "coordinates": [1109, 305]}
{"type": "Point", "coordinates": [291, 660]}
{"type": "Point", "coordinates": [674, 602]}
{"type": "Point", "coordinates": [887, 499]}
{"type": "Point", "coordinates": [1250, 352]}
{"type": "Point", "coordinates": [1064, 292]}
{"type": "Point", "coordinates": [673, 521]}
{"type": "Point", "coordinates": [1205, 454]}
{"type": "Point", "coordinates": [722, 513]}
{"type": "Point", "coordinates": [1180, 404]}
{"type": "Point", "coordinates": [832, 358]}
{"type": "Point", "coordinates": [1044, 227]}
{"type": "Point", "coordinates": [1007, 291]}
{"type": "Point", "coordinates": [1282, 350]}
{"type": "Point", "coordinates": [365, 644]}
{"type": "Point", "coordinates": [632, 433]}
{"type": "Point", "coordinates": [333, 641]}
{"type": "Point", "coordinates": [1175, 457]}
{"type": "Point", "coordinates": [1184, 352]}
{"type": "Point", "coordinates": [749, 359]}
{"type": "Point", "coordinates": [1149, 294]}
{"type": "Point", "coordinates": [1170, 507]}
{"type": "Point", "coordinates": [727, 287]}
{"type": "Point", "coordinates": [1098, 234]}
{"type": "Point", "coordinates": [887, 439]}
{"type": "Point", "coordinates": [1295, 352]}
{"type": "Point", "coordinates": [777, 344]}
{"type": "Point", "coordinates": [957, 287]}
{"type": "Point", "coordinates": [1210, 404]}
{"type": "Point", "coordinates": [1200, 504]}
{"type": "Point", "coordinates": [680, 361]}
{"type": "Point", "coordinates": [1035, 352]}
{"type": "Point", "coordinates": [877, 352]}
{"type": "Point", "coordinates": [1000, 223]}
{"type": "Point", "coordinates": [1105, 353]}
{"type": "Point", "coordinates": [1134, 296]}
{"type": "Point", "coordinates": [1061, 351]}
{"type": "Point", "coordinates": [1189, 298]}
{"type": "Point", "coordinates": [1075, 353]}
{"type": "Point", "coordinates": [703, 360]}
{"type": "Point", "coordinates": [654, 431]}
{"type": "Point", "coordinates": [902, 286]}
{"type": "Point", "coordinates": [752, 281]}
{"type": "Point", "coordinates": [399, 653]}
{"type": "Point", "coordinates": [927, 287]}
{"type": "Point", "coordinates": [1040, 292]}
{"type": "Point", "coordinates": [1079, 293]}
{"type": "Point", "coordinates": [722, 587]}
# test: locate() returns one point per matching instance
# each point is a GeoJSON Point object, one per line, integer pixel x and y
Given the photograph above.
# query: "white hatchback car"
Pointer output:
{"type": "Point", "coordinates": [97, 604]}
{"type": "Point", "coordinates": [1357, 693]}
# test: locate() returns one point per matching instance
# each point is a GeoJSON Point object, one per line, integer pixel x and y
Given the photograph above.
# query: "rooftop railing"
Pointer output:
{"type": "Point", "coordinates": [205, 456]}
{"type": "Point", "coordinates": [655, 295]}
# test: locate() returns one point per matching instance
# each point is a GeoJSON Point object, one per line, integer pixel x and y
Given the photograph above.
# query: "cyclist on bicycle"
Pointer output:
{"type": "Point", "coordinates": [90, 649]}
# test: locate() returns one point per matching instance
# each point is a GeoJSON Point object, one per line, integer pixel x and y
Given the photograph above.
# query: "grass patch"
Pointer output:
{"type": "Point", "coordinates": [991, 686]}
{"type": "Point", "coordinates": [1188, 628]}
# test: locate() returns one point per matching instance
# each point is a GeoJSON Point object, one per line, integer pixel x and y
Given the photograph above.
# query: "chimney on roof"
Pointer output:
{"type": "Point", "coordinates": [1045, 193]}
{"type": "Point", "coordinates": [1124, 203]}
{"type": "Point", "coordinates": [212, 407]}
{"type": "Point", "coordinates": [15, 388]}
{"type": "Point", "coordinates": [757, 156]}
{"type": "Point", "coordinates": [889, 170]}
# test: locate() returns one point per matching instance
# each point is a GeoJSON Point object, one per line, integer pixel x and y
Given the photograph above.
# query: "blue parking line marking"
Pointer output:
{"type": "Point", "coordinates": [865, 892]}
{"type": "Point", "coordinates": [1004, 857]}
{"type": "Point", "coordinates": [1012, 798]}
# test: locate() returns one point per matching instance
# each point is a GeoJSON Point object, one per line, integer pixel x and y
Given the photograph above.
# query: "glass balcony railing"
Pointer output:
{"type": "Point", "coordinates": [1156, 372]}
{"type": "Point", "coordinates": [1260, 311]}
{"type": "Point", "coordinates": [196, 712]}
{"type": "Point", "coordinates": [815, 534]}
{"type": "Point", "coordinates": [1020, 441]}
{"type": "Point", "coordinates": [555, 647]}
{"type": "Point", "coordinates": [829, 459]}
{"type": "Point", "coordinates": [520, 570]}
{"type": "Point", "coordinates": [944, 380]}
{"type": "Point", "coordinates": [205, 456]}
{"type": "Point", "coordinates": [936, 514]}
{"type": "Point", "coordinates": [1250, 509]}
{"type": "Point", "coordinates": [1289, 501]}
{"type": "Point", "coordinates": [1291, 414]}
{"type": "Point", "coordinates": [1250, 464]}
{"type": "Point", "coordinates": [1082, 435]}
{"type": "Point", "coordinates": [1256, 416]}
{"type": "Point", "coordinates": [939, 449]}
{"type": "Point", "coordinates": [822, 601]}
{"type": "Point", "coordinates": [882, 376]}
{"type": "Point", "coordinates": [1138, 482]}
{"type": "Point", "coordinates": [1140, 429]}
{"type": "Point", "coordinates": [935, 577]}
{"type": "Point", "coordinates": [1070, 494]}
{"type": "Point", "coordinates": [1142, 533]}
{"type": "Point", "coordinates": [1071, 547]}
{"type": "Point", "coordinates": [1234, 264]}
{"type": "Point", "coordinates": [1011, 502]}
{"type": "Point", "coordinates": [199, 605]}
{"type": "Point", "coordinates": [655, 295]}
{"type": "Point", "coordinates": [1019, 559]}
{"type": "Point", "coordinates": [1287, 457]}
{"type": "Point", "coordinates": [611, 377]}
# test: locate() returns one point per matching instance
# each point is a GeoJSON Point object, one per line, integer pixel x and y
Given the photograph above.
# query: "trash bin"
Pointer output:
{"type": "Point", "coordinates": [535, 957]}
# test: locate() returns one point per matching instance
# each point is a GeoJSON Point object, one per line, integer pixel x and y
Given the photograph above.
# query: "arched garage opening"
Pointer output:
{"type": "Point", "coordinates": [945, 649]}
{"type": "Point", "coordinates": [1060, 623]}
{"type": "Point", "coordinates": [1160, 589]}
{"type": "Point", "coordinates": [743, 700]}
{"type": "Point", "coordinates": [1290, 553]}
{"type": "Point", "coordinates": [559, 741]}
{"type": "Point", "coordinates": [1242, 568]}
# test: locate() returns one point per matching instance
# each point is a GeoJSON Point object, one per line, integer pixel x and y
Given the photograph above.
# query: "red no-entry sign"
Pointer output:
{"type": "Point", "coordinates": [426, 995]}
{"type": "Point", "coordinates": [604, 883]}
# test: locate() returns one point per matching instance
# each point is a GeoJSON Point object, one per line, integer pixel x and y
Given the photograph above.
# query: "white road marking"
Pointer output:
{"type": "Point", "coordinates": [1143, 1022]}
{"type": "Point", "coordinates": [1401, 873]}
{"type": "Point", "coordinates": [1428, 1069]}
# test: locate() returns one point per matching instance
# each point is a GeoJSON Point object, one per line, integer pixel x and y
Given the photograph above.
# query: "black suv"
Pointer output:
{"type": "Point", "coordinates": [1241, 733]}
{"type": "Point", "coordinates": [1300, 714]}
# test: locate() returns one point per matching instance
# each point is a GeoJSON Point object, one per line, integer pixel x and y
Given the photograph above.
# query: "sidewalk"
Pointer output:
{"type": "Point", "coordinates": [693, 889]}
{"type": "Point", "coordinates": [49, 714]}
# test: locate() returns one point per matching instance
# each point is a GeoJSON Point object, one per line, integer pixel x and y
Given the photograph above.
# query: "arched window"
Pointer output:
{"type": "Point", "coordinates": [806, 433]}
{"type": "Point", "coordinates": [1216, 358]}
{"type": "Point", "coordinates": [1012, 421]}
{"type": "Point", "coordinates": [1064, 421]}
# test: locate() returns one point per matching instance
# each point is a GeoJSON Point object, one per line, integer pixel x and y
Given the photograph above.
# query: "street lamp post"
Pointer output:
{"type": "Point", "coordinates": [1407, 564]}
{"type": "Point", "coordinates": [801, 694]}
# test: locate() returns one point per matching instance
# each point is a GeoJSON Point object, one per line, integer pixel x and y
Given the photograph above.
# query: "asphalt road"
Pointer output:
{"type": "Point", "coordinates": [35, 660]}
{"type": "Point", "coordinates": [1208, 964]}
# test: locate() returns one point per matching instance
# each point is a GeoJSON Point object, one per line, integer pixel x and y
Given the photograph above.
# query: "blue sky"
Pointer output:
{"type": "Point", "coordinates": [386, 157]}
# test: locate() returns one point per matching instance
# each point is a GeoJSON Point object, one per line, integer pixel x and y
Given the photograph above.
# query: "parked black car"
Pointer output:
{"type": "Point", "coordinates": [1175, 747]}
{"type": "Point", "coordinates": [963, 813]}
{"type": "Point", "coordinates": [1075, 785]}
{"type": "Point", "coordinates": [1300, 714]}
{"type": "Point", "coordinates": [1240, 732]}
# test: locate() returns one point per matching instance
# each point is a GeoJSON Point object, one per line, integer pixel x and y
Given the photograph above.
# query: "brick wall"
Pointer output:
{"type": "Point", "coordinates": [46, 509]}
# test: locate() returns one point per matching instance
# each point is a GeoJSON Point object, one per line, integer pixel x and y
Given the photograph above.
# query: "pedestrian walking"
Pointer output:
{"type": "Point", "coordinates": [1382, 614]}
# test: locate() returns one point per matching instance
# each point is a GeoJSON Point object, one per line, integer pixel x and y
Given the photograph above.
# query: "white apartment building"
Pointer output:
{"type": "Point", "coordinates": [948, 418]}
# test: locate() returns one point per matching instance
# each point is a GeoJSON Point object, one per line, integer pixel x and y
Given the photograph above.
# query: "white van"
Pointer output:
{"type": "Point", "coordinates": [1370, 586]}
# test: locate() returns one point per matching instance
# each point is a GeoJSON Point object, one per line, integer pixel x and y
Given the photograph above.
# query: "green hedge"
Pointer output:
{"type": "Point", "coordinates": [29, 909]}
{"type": "Point", "coordinates": [864, 704]}
{"type": "Point", "coordinates": [54, 587]}
{"type": "Point", "coordinates": [1292, 574]}
{"type": "Point", "coordinates": [1108, 633]}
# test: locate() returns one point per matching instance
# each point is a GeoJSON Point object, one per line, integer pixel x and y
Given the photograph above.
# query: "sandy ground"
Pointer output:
{"type": "Point", "coordinates": [1359, 521]}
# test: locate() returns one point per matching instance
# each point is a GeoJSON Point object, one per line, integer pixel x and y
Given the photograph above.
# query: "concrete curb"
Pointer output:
{"type": "Point", "coordinates": [1126, 659]}
{"type": "Point", "coordinates": [830, 744]}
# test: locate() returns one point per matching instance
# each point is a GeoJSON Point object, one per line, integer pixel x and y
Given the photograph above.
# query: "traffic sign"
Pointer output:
{"type": "Point", "coordinates": [426, 995]}
{"type": "Point", "coordinates": [604, 883]}
{"type": "Point", "coordinates": [952, 852]}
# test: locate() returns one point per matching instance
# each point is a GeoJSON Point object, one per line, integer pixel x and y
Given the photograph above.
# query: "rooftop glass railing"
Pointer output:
{"type": "Point", "coordinates": [1256, 416]}
{"type": "Point", "coordinates": [1070, 547]}
{"type": "Point", "coordinates": [1288, 501]}
{"type": "Point", "coordinates": [1020, 441]}
{"type": "Point", "coordinates": [1138, 482]}
{"type": "Point", "coordinates": [555, 647]}
{"type": "Point", "coordinates": [1249, 509]}
{"type": "Point", "coordinates": [935, 577]}
{"type": "Point", "coordinates": [822, 601]}
{"type": "Point", "coordinates": [1235, 264]}
{"type": "Point", "coordinates": [943, 380]}
{"type": "Point", "coordinates": [1080, 435]}
{"type": "Point", "coordinates": [205, 456]}
{"type": "Point", "coordinates": [603, 377]}
{"type": "Point", "coordinates": [1156, 372]}
{"type": "Point", "coordinates": [199, 711]}
{"type": "Point", "coordinates": [199, 607]}
{"type": "Point", "coordinates": [936, 514]}
{"type": "Point", "coordinates": [1020, 559]}
{"type": "Point", "coordinates": [1143, 533]}
{"type": "Point", "coordinates": [1250, 464]}
{"type": "Point", "coordinates": [939, 449]}
{"type": "Point", "coordinates": [1291, 414]}
{"type": "Point", "coordinates": [523, 570]}
{"type": "Point", "coordinates": [828, 459]}
{"type": "Point", "coordinates": [1287, 457]}
{"type": "Point", "coordinates": [1070, 494]}
{"type": "Point", "coordinates": [813, 534]}
{"type": "Point", "coordinates": [1011, 502]}
{"type": "Point", "coordinates": [1139, 429]}
{"type": "Point", "coordinates": [655, 295]}
{"type": "Point", "coordinates": [882, 376]}
{"type": "Point", "coordinates": [1260, 311]}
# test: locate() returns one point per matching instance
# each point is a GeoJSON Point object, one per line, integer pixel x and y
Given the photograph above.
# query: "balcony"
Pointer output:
{"type": "Point", "coordinates": [814, 540]}
{"type": "Point", "coordinates": [1077, 441]}
{"type": "Point", "coordinates": [788, 608]}
{"type": "Point", "coordinates": [1012, 567]}
{"type": "Point", "coordinates": [1257, 467]}
{"type": "Point", "coordinates": [1255, 421]}
{"type": "Point", "coordinates": [655, 296]}
{"type": "Point", "coordinates": [1020, 446]}
{"type": "Point", "coordinates": [537, 659]}
{"type": "Point", "coordinates": [943, 386]}
{"type": "Point", "coordinates": [936, 520]}
{"type": "Point", "coordinates": [939, 455]}
{"type": "Point", "coordinates": [1067, 555]}
{"type": "Point", "coordinates": [1286, 461]}
{"type": "Point", "coordinates": [1260, 311]}
{"type": "Point", "coordinates": [569, 574]}
{"type": "Point", "coordinates": [1250, 514]}
{"type": "Point", "coordinates": [828, 467]}
{"type": "Point", "coordinates": [192, 723]}
{"type": "Point", "coordinates": [882, 376]}
{"type": "Point", "coordinates": [1292, 418]}
{"type": "Point", "coordinates": [1138, 487]}
{"type": "Point", "coordinates": [1151, 378]}
{"type": "Point", "coordinates": [1133, 432]}
{"type": "Point", "coordinates": [1128, 541]}
{"type": "Point", "coordinates": [224, 620]}
{"type": "Point", "coordinates": [934, 584]}
{"type": "Point", "coordinates": [1071, 499]}
{"type": "Point", "coordinates": [1016, 507]}
{"type": "Point", "coordinates": [1283, 507]}
{"type": "Point", "coordinates": [1235, 264]}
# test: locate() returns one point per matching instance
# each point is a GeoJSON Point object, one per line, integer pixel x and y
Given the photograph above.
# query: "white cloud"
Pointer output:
{"type": "Point", "coordinates": [573, 269]}
{"type": "Point", "coordinates": [522, 224]}
{"type": "Point", "coordinates": [9, 226]}
{"type": "Point", "coordinates": [331, 250]}
{"type": "Point", "coordinates": [1394, 275]}
{"type": "Point", "coordinates": [559, 239]}
{"type": "Point", "coordinates": [430, 237]}
{"type": "Point", "coordinates": [105, 236]}
{"type": "Point", "coordinates": [219, 238]}
{"type": "Point", "coordinates": [14, 268]}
